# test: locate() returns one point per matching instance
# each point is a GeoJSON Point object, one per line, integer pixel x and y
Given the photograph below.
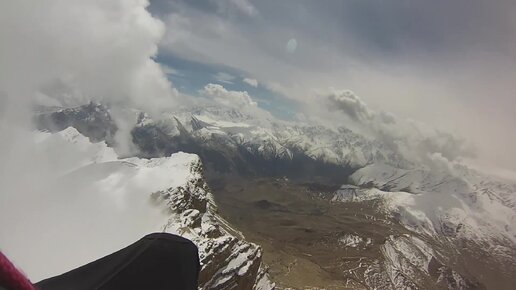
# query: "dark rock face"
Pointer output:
{"type": "Point", "coordinates": [92, 120]}
{"type": "Point", "coordinates": [221, 158]}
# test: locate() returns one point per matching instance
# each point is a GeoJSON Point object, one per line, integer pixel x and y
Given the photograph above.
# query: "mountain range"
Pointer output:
{"type": "Point", "coordinates": [457, 225]}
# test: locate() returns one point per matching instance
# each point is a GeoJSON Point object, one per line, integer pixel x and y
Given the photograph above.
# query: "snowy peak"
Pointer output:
{"type": "Point", "coordinates": [447, 200]}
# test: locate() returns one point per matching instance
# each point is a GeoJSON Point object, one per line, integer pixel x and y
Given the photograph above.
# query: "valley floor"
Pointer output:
{"type": "Point", "coordinates": [307, 240]}
{"type": "Point", "coordinates": [311, 242]}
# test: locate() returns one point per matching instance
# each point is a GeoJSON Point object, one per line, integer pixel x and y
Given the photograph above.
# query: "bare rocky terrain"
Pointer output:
{"type": "Point", "coordinates": [310, 242]}
{"type": "Point", "coordinates": [299, 232]}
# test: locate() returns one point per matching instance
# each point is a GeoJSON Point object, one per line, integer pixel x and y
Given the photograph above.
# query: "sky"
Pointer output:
{"type": "Point", "coordinates": [449, 64]}
{"type": "Point", "coordinates": [388, 68]}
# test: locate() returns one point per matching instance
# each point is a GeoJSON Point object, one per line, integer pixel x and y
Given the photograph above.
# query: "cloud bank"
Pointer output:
{"type": "Point", "coordinates": [447, 64]}
{"type": "Point", "coordinates": [350, 104]}
{"type": "Point", "coordinates": [67, 52]}
{"type": "Point", "coordinates": [74, 51]}
{"type": "Point", "coordinates": [418, 142]}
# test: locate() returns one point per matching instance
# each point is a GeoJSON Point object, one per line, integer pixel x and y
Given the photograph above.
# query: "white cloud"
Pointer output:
{"type": "Point", "coordinates": [71, 51]}
{"type": "Point", "coordinates": [460, 84]}
{"type": "Point", "coordinates": [350, 104]}
{"type": "Point", "coordinates": [92, 49]}
{"type": "Point", "coordinates": [238, 100]}
{"type": "Point", "coordinates": [251, 82]}
{"type": "Point", "coordinates": [228, 98]}
{"type": "Point", "coordinates": [416, 141]}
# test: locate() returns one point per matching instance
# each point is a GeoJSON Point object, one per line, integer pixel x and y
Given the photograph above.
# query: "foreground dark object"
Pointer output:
{"type": "Point", "coordinates": [157, 261]}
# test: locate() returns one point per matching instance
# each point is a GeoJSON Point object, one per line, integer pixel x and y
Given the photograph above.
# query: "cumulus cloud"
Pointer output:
{"type": "Point", "coordinates": [228, 98]}
{"type": "Point", "coordinates": [414, 140]}
{"type": "Point", "coordinates": [447, 64]}
{"type": "Point", "coordinates": [78, 50]}
{"type": "Point", "coordinates": [66, 52]}
{"type": "Point", "coordinates": [350, 104]}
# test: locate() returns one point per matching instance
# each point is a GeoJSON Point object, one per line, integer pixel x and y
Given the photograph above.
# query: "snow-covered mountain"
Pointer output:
{"type": "Point", "coordinates": [278, 139]}
{"type": "Point", "coordinates": [458, 212]}
{"type": "Point", "coordinates": [239, 133]}
{"type": "Point", "coordinates": [100, 203]}
{"type": "Point", "coordinates": [448, 209]}
{"type": "Point", "coordinates": [456, 201]}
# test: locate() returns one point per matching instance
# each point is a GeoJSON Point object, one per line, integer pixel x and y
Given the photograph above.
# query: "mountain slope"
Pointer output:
{"type": "Point", "coordinates": [99, 204]}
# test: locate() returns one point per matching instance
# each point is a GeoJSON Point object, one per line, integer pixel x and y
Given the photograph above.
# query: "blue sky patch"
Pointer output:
{"type": "Point", "coordinates": [189, 77]}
